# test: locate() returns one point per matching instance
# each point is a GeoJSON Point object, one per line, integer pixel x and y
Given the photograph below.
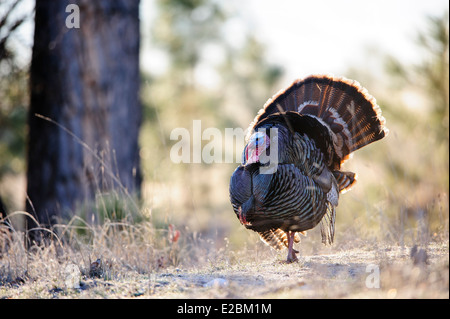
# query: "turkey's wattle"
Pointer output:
{"type": "Point", "coordinates": [319, 121]}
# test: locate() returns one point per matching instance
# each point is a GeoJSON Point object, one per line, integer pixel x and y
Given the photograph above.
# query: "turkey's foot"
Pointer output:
{"type": "Point", "coordinates": [291, 251]}
{"type": "Point", "coordinates": [291, 257]}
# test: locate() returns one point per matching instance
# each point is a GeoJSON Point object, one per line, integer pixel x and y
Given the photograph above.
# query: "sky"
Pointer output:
{"type": "Point", "coordinates": [327, 36]}
{"type": "Point", "coordinates": [320, 36]}
{"type": "Point", "coordinates": [306, 37]}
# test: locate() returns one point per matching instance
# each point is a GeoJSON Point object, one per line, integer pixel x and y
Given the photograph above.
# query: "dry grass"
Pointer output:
{"type": "Point", "coordinates": [124, 260]}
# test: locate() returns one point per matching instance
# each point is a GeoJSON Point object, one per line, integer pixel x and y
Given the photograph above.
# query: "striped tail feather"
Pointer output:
{"type": "Point", "coordinates": [277, 238]}
{"type": "Point", "coordinates": [350, 113]}
{"type": "Point", "coordinates": [345, 180]}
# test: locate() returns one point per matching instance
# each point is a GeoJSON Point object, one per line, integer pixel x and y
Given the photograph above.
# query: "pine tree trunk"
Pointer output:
{"type": "Point", "coordinates": [85, 111]}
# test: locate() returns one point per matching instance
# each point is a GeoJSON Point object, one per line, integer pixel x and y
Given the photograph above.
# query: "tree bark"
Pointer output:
{"type": "Point", "coordinates": [85, 111]}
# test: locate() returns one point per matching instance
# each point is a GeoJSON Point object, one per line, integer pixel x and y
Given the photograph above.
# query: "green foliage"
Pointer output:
{"type": "Point", "coordinates": [13, 95]}
{"type": "Point", "coordinates": [431, 75]}
{"type": "Point", "coordinates": [13, 110]}
{"type": "Point", "coordinates": [183, 27]}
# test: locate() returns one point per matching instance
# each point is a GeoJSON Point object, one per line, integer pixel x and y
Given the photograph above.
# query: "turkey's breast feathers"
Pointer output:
{"type": "Point", "coordinates": [294, 197]}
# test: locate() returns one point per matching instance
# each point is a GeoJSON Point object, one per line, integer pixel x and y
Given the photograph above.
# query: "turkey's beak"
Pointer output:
{"type": "Point", "coordinates": [242, 218]}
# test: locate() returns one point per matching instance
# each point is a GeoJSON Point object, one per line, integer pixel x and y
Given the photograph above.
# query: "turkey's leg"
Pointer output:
{"type": "Point", "coordinates": [291, 251]}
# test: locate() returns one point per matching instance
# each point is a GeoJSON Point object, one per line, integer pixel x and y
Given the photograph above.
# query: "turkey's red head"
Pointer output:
{"type": "Point", "coordinates": [257, 144]}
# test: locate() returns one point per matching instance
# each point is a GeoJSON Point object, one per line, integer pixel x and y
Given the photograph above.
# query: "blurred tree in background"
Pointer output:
{"type": "Point", "coordinates": [85, 111]}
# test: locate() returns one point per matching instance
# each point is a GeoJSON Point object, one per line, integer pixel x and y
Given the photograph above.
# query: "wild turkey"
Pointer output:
{"type": "Point", "coordinates": [311, 128]}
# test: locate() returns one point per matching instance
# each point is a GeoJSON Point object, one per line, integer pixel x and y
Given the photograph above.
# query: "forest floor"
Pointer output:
{"type": "Point", "coordinates": [360, 272]}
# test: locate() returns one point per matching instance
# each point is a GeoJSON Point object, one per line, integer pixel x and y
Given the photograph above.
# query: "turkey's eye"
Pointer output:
{"type": "Point", "coordinates": [259, 141]}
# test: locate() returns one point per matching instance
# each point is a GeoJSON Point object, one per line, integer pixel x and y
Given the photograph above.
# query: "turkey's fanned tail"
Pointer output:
{"type": "Point", "coordinates": [349, 112]}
